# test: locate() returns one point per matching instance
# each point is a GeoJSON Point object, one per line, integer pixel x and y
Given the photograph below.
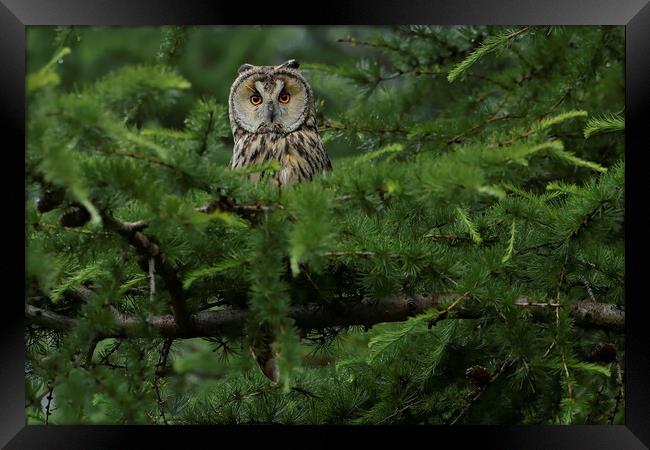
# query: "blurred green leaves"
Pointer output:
{"type": "Point", "coordinates": [46, 76]}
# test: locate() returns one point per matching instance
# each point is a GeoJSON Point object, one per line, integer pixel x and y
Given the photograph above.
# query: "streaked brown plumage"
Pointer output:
{"type": "Point", "coordinates": [275, 130]}
{"type": "Point", "coordinates": [273, 118]}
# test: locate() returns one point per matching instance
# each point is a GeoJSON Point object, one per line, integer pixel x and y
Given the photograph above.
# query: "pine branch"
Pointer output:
{"type": "Point", "coordinates": [490, 45]}
{"type": "Point", "coordinates": [315, 316]}
{"type": "Point", "coordinates": [604, 124]}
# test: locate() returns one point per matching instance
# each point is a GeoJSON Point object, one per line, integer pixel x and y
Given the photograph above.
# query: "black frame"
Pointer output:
{"type": "Point", "coordinates": [634, 14]}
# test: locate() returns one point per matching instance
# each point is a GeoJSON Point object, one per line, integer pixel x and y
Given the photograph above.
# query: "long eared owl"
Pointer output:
{"type": "Point", "coordinates": [273, 117]}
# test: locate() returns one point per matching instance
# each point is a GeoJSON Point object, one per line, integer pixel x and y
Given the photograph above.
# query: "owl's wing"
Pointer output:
{"type": "Point", "coordinates": [313, 152]}
{"type": "Point", "coordinates": [321, 155]}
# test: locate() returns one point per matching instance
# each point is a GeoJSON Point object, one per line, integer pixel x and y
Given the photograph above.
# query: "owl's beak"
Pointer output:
{"type": "Point", "coordinates": [270, 112]}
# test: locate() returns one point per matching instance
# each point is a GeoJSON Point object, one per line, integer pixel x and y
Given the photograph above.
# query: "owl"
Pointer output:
{"type": "Point", "coordinates": [273, 118]}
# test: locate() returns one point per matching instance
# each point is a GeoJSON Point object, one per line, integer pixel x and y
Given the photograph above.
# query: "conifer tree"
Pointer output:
{"type": "Point", "coordinates": [462, 264]}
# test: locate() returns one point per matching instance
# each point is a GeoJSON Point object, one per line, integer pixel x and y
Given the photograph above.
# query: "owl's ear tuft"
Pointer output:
{"type": "Point", "coordinates": [292, 64]}
{"type": "Point", "coordinates": [244, 67]}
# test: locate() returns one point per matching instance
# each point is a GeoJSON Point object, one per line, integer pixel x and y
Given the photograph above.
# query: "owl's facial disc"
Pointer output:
{"type": "Point", "coordinates": [269, 109]}
{"type": "Point", "coordinates": [270, 103]}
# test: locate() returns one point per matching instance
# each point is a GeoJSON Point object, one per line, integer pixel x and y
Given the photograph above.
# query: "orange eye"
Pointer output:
{"type": "Point", "coordinates": [256, 99]}
{"type": "Point", "coordinates": [284, 97]}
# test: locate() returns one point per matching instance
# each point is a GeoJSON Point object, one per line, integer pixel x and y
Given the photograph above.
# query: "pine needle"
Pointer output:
{"type": "Point", "coordinates": [511, 243]}
{"type": "Point", "coordinates": [471, 227]}
{"type": "Point", "coordinates": [605, 123]}
{"type": "Point", "coordinates": [550, 121]}
{"type": "Point", "coordinates": [491, 44]}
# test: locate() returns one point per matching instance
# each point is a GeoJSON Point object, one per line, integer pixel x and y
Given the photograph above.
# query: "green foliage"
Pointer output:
{"type": "Point", "coordinates": [604, 124]}
{"type": "Point", "coordinates": [547, 122]}
{"type": "Point", "coordinates": [390, 336]}
{"type": "Point", "coordinates": [46, 76]}
{"type": "Point", "coordinates": [490, 45]}
{"type": "Point", "coordinates": [456, 171]}
{"type": "Point", "coordinates": [174, 37]}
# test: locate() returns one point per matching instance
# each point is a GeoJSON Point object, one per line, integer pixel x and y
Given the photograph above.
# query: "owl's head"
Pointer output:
{"type": "Point", "coordinates": [266, 99]}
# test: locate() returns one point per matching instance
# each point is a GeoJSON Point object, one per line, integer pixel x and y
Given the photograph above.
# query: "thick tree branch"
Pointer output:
{"type": "Point", "coordinates": [230, 322]}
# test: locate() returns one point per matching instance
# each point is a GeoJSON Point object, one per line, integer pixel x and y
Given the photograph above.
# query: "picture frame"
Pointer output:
{"type": "Point", "coordinates": [15, 15]}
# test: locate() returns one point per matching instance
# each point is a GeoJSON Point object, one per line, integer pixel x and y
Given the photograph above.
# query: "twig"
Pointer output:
{"type": "Point", "coordinates": [447, 237]}
{"type": "Point", "coordinates": [588, 288]}
{"type": "Point", "coordinates": [353, 41]}
{"type": "Point", "coordinates": [524, 302]}
{"type": "Point", "coordinates": [160, 366]}
{"type": "Point", "coordinates": [149, 159]}
{"type": "Point", "coordinates": [619, 394]}
{"type": "Point", "coordinates": [351, 253]}
{"type": "Point", "coordinates": [445, 313]}
{"type": "Point", "coordinates": [108, 354]}
{"type": "Point", "coordinates": [595, 404]}
{"type": "Point", "coordinates": [567, 375]}
{"type": "Point", "coordinates": [417, 69]}
{"type": "Point", "coordinates": [331, 125]}
{"type": "Point", "coordinates": [152, 280]}
{"type": "Point", "coordinates": [557, 324]}
{"type": "Point", "coordinates": [204, 143]}
{"type": "Point", "coordinates": [50, 392]}
{"type": "Point", "coordinates": [548, 350]}
{"type": "Point", "coordinates": [481, 125]}
{"type": "Point", "coordinates": [314, 285]}
{"type": "Point", "coordinates": [401, 410]}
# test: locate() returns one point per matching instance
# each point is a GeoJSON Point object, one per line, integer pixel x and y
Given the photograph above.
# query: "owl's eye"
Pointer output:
{"type": "Point", "coordinates": [256, 99]}
{"type": "Point", "coordinates": [284, 97]}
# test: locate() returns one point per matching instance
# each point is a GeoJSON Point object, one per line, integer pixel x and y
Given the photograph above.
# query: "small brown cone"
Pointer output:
{"type": "Point", "coordinates": [603, 352]}
{"type": "Point", "coordinates": [50, 199]}
{"type": "Point", "coordinates": [75, 216]}
{"type": "Point", "coordinates": [478, 375]}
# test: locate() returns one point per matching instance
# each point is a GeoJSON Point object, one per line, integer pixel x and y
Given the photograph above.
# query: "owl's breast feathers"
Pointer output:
{"type": "Point", "coordinates": [300, 154]}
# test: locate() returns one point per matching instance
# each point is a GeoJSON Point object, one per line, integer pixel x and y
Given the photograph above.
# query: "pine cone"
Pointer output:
{"type": "Point", "coordinates": [75, 216]}
{"type": "Point", "coordinates": [50, 199]}
{"type": "Point", "coordinates": [478, 375]}
{"type": "Point", "coordinates": [604, 352]}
